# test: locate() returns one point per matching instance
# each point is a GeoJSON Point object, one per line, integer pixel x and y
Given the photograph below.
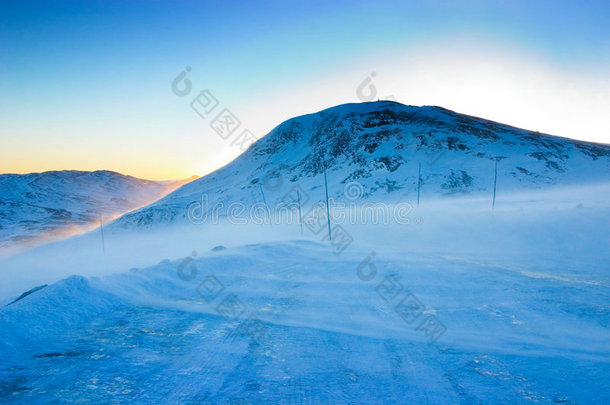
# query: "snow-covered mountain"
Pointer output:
{"type": "Point", "coordinates": [45, 206]}
{"type": "Point", "coordinates": [470, 305]}
{"type": "Point", "coordinates": [385, 147]}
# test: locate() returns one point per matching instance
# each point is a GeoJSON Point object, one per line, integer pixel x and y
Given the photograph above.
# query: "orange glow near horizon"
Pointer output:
{"type": "Point", "coordinates": [172, 159]}
{"type": "Point", "coordinates": [157, 175]}
{"type": "Point", "coordinates": [152, 171]}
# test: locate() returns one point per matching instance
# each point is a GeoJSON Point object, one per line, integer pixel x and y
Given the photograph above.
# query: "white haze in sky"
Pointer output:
{"type": "Point", "coordinates": [514, 88]}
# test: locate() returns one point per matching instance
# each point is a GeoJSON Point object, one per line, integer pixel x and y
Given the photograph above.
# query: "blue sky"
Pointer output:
{"type": "Point", "coordinates": [86, 85]}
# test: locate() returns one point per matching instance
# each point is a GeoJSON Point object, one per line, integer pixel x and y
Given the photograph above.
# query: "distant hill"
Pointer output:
{"type": "Point", "coordinates": [46, 206]}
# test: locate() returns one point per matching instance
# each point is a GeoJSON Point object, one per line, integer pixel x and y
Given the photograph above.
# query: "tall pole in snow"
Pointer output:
{"type": "Point", "coordinates": [418, 182]}
{"type": "Point", "coordinates": [493, 202]}
{"type": "Point", "coordinates": [102, 232]}
{"type": "Point", "coordinates": [300, 214]}
{"type": "Point", "coordinates": [263, 194]}
{"type": "Point", "coordinates": [265, 202]}
{"type": "Point", "coordinates": [327, 208]}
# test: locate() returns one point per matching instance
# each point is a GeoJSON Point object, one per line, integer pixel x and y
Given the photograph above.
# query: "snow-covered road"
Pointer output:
{"type": "Point", "coordinates": [322, 329]}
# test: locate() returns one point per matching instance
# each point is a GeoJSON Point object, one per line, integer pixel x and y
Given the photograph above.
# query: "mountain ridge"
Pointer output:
{"type": "Point", "coordinates": [46, 206]}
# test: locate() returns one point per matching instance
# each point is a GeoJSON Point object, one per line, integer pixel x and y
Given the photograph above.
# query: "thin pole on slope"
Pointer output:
{"type": "Point", "coordinates": [263, 194]}
{"type": "Point", "coordinates": [300, 214]}
{"type": "Point", "coordinates": [418, 182]}
{"type": "Point", "coordinates": [265, 202]}
{"type": "Point", "coordinates": [493, 202]}
{"type": "Point", "coordinates": [327, 208]}
{"type": "Point", "coordinates": [102, 233]}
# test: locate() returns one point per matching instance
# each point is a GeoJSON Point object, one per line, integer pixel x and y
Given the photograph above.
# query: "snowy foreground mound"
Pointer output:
{"type": "Point", "coordinates": [292, 323]}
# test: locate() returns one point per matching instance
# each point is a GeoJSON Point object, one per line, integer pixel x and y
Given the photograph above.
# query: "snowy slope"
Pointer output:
{"type": "Point", "coordinates": [380, 145]}
{"type": "Point", "coordinates": [39, 207]}
{"type": "Point", "coordinates": [323, 333]}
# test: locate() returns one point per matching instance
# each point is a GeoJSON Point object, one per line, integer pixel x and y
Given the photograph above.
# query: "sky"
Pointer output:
{"type": "Point", "coordinates": [87, 85]}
